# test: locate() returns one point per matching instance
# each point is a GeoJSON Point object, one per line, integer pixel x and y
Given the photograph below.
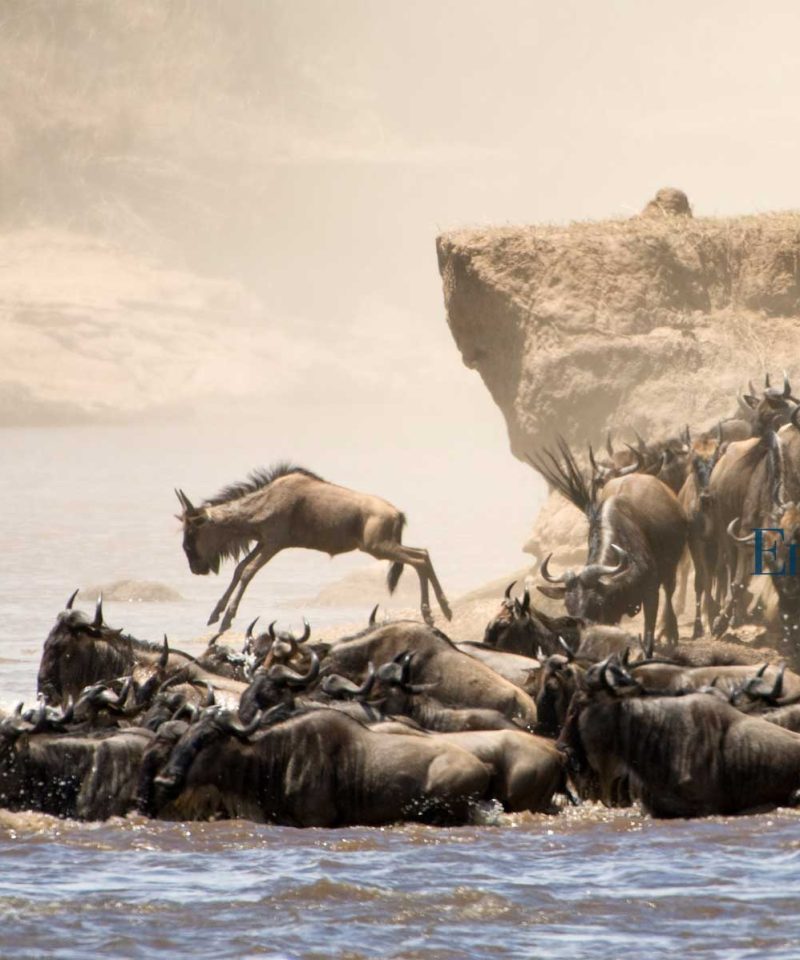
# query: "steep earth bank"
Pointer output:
{"type": "Point", "coordinates": [646, 323]}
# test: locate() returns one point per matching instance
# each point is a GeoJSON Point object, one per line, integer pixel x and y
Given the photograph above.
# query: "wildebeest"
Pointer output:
{"type": "Point", "coordinates": [637, 533]}
{"type": "Point", "coordinates": [682, 756]}
{"type": "Point", "coordinates": [522, 629]}
{"type": "Point", "coordinates": [289, 506]}
{"type": "Point", "coordinates": [317, 769]}
{"type": "Point", "coordinates": [695, 499]}
{"type": "Point", "coordinates": [460, 680]}
{"type": "Point", "coordinates": [527, 771]}
{"type": "Point", "coordinates": [744, 490]}
{"type": "Point", "coordinates": [87, 775]}
{"type": "Point", "coordinates": [79, 652]}
{"type": "Point", "coordinates": [772, 409]}
{"type": "Point", "coordinates": [400, 696]}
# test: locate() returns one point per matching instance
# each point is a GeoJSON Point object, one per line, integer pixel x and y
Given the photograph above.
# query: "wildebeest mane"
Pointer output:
{"type": "Point", "coordinates": [257, 480]}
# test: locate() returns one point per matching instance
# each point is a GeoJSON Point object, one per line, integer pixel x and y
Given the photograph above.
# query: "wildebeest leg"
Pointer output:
{"type": "Point", "coordinates": [418, 559]}
{"type": "Point", "coordinates": [683, 583]}
{"type": "Point", "coordinates": [670, 622]}
{"type": "Point", "coordinates": [650, 607]}
{"type": "Point", "coordinates": [739, 594]}
{"type": "Point", "coordinates": [430, 573]}
{"type": "Point", "coordinates": [263, 556]}
{"type": "Point", "coordinates": [709, 563]}
{"type": "Point", "coordinates": [237, 574]}
{"type": "Point", "coordinates": [700, 585]}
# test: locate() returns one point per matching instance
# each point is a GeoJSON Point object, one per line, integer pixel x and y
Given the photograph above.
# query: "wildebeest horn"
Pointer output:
{"type": "Point", "coordinates": [620, 677]}
{"type": "Point", "coordinates": [639, 441]}
{"type": "Point", "coordinates": [282, 674]}
{"type": "Point", "coordinates": [787, 387]}
{"type": "Point", "coordinates": [306, 631]}
{"type": "Point", "coordinates": [271, 629]}
{"type": "Point", "coordinates": [98, 613]}
{"type": "Point", "coordinates": [343, 689]}
{"type": "Point", "coordinates": [632, 467]}
{"type": "Point", "coordinates": [609, 445]}
{"type": "Point", "coordinates": [513, 583]}
{"type": "Point", "coordinates": [608, 570]}
{"type": "Point", "coordinates": [405, 671]}
{"type": "Point", "coordinates": [762, 669]}
{"type": "Point", "coordinates": [566, 648]}
{"type": "Point", "coordinates": [164, 658]}
{"type": "Point", "coordinates": [249, 632]}
{"type": "Point", "coordinates": [373, 616]}
{"type": "Point", "coordinates": [592, 461]}
{"type": "Point", "coordinates": [77, 591]}
{"type": "Point", "coordinates": [777, 688]}
{"type": "Point", "coordinates": [743, 403]}
{"type": "Point", "coordinates": [210, 698]}
{"type": "Point", "coordinates": [405, 678]}
{"type": "Point", "coordinates": [719, 429]}
{"type": "Point", "coordinates": [603, 667]}
{"type": "Point", "coordinates": [732, 535]}
{"type": "Point", "coordinates": [240, 731]}
{"type": "Point", "coordinates": [187, 504]}
{"type": "Point", "coordinates": [545, 571]}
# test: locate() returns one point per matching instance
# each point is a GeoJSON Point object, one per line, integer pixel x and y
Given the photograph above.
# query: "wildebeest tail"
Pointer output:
{"type": "Point", "coordinates": [393, 577]}
{"type": "Point", "coordinates": [561, 471]}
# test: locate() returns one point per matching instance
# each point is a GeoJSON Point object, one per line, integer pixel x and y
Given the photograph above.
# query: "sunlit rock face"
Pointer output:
{"type": "Point", "coordinates": [650, 323]}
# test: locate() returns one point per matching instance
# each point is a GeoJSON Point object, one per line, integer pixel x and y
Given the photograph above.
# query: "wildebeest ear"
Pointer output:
{"type": "Point", "coordinates": [555, 593]}
{"type": "Point", "coordinates": [750, 400]}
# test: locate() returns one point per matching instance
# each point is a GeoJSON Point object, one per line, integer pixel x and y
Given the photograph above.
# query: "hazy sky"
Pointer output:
{"type": "Point", "coordinates": [312, 149]}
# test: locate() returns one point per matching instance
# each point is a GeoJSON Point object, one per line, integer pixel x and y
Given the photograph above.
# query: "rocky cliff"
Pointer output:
{"type": "Point", "coordinates": [646, 323]}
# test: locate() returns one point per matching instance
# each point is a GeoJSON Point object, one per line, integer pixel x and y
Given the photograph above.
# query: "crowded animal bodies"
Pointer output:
{"type": "Point", "coordinates": [577, 701]}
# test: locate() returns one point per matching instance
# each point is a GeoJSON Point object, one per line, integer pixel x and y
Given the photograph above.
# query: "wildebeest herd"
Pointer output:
{"type": "Point", "coordinates": [399, 722]}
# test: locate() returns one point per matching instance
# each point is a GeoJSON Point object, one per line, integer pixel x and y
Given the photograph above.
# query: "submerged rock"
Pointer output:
{"type": "Point", "coordinates": [148, 591]}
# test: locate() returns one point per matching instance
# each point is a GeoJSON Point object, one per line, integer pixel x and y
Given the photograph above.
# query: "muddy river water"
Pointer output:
{"type": "Point", "coordinates": [78, 509]}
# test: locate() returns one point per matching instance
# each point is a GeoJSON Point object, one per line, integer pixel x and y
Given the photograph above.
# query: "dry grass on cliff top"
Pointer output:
{"type": "Point", "coordinates": [777, 225]}
{"type": "Point", "coordinates": [633, 275]}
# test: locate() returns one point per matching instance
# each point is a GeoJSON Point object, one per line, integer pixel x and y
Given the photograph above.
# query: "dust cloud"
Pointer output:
{"type": "Point", "coordinates": [222, 214]}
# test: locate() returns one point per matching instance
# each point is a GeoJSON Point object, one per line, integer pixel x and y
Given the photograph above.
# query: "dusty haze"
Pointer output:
{"type": "Point", "coordinates": [223, 213]}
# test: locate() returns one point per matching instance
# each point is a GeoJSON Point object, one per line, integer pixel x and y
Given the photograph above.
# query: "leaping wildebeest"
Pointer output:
{"type": "Point", "coordinates": [288, 506]}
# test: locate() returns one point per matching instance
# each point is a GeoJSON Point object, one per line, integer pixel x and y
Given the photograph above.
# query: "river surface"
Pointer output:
{"type": "Point", "coordinates": [85, 507]}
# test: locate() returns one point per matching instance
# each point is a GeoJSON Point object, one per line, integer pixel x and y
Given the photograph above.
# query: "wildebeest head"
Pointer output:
{"type": "Point", "coordinates": [521, 628]}
{"type": "Point", "coordinates": [606, 681]}
{"type": "Point", "coordinates": [276, 685]}
{"type": "Point", "coordinates": [214, 725]}
{"type": "Point", "coordinates": [586, 593]}
{"type": "Point", "coordinates": [615, 466]}
{"type": "Point", "coordinates": [705, 451]}
{"type": "Point", "coordinates": [274, 646]}
{"type": "Point", "coordinates": [772, 409]}
{"type": "Point", "coordinates": [560, 678]}
{"type": "Point", "coordinates": [75, 648]}
{"type": "Point", "coordinates": [202, 559]}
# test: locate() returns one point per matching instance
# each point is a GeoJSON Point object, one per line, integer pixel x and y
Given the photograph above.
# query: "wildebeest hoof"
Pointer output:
{"type": "Point", "coordinates": [214, 617]}
{"type": "Point", "coordinates": [227, 620]}
{"type": "Point", "coordinates": [426, 614]}
{"type": "Point", "coordinates": [446, 609]}
{"type": "Point", "coordinates": [697, 632]}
